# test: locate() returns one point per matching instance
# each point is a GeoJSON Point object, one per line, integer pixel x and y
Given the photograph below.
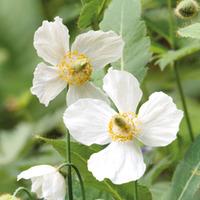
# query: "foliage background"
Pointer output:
{"type": "Point", "coordinates": [22, 117]}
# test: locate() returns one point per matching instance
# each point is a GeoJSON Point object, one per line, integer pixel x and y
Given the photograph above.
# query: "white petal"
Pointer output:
{"type": "Point", "coordinates": [37, 186]}
{"type": "Point", "coordinates": [51, 41]}
{"type": "Point", "coordinates": [119, 162]}
{"type": "Point", "coordinates": [100, 47]}
{"type": "Point", "coordinates": [87, 90]}
{"type": "Point", "coordinates": [124, 90]}
{"type": "Point", "coordinates": [54, 187]}
{"type": "Point", "coordinates": [160, 120]}
{"type": "Point", "coordinates": [46, 83]}
{"type": "Point", "coordinates": [36, 171]}
{"type": "Point", "coordinates": [87, 121]}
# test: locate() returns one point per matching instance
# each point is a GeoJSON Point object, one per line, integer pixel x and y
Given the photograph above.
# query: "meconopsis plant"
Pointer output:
{"type": "Point", "coordinates": [107, 122]}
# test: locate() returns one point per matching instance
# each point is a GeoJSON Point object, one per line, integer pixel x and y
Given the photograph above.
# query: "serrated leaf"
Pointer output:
{"type": "Point", "coordinates": [80, 155]}
{"type": "Point", "coordinates": [186, 179]}
{"type": "Point", "coordinates": [124, 17]}
{"type": "Point", "coordinates": [174, 55]}
{"type": "Point", "coordinates": [191, 31]}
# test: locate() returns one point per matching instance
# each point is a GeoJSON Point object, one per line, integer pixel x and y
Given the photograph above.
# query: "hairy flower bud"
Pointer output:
{"type": "Point", "coordinates": [187, 9]}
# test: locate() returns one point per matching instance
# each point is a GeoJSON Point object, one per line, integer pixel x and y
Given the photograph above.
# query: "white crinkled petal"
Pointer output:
{"type": "Point", "coordinates": [36, 186]}
{"type": "Point", "coordinates": [87, 121]}
{"type": "Point", "coordinates": [36, 171]}
{"type": "Point", "coordinates": [119, 162]}
{"type": "Point", "coordinates": [54, 187]}
{"type": "Point", "coordinates": [159, 119]}
{"type": "Point", "coordinates": [47, 83]}
{"type": "Point", "coordinates": [124, 90]}
{"type": "Point", "coordinates": [51, 41]}
{"type": "Point", "coordinates": [87, 90]}
{"type": "Point", "coordinates": [100, 47]}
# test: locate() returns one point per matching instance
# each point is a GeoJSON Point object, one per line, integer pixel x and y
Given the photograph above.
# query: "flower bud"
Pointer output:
{"type": "Point", "coordinates": [187, 9]}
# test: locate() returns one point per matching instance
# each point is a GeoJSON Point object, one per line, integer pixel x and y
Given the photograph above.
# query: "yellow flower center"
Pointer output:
{"type": "Point", "coordinates": [123, 127]}
{"type": "Point", "coordinates": [75, 68]}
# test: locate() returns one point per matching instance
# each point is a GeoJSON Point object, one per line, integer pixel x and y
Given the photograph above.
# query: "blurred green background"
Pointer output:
{"type": "Point", "coordinates": [22, 117]}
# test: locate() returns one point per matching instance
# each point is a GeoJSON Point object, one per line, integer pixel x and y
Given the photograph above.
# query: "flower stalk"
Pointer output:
{"type": "Point", "coordinates": [69, 175]}
{"type": "Point", "coordinates": [70, 165]}
{"type": "Point", "coordinates": [22, 189]}
{"type": "Point", "coordinates": [136, 191]}
{"type": "Point", "coordinates": [176, 72]}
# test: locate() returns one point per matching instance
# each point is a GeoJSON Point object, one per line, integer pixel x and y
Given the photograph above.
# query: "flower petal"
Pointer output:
{"type": "Point", "coordinates": [87, 90]}
{"type": "Point", "coordinates": [119, 162]}
{"type": "Point", "coordinates": [87, 121]}
{"type": "Point", "coordinates": [51, 41]}
{"type": "Point", "coordinates": [46, 83]}
{"type": "Point", "coordinates": [123, 88]}
{"type": "Point", "coordinates": [101, 47]}
{"type": "Point", "coordinates": [54, 187]}
{"type": "Point", "coordinates": [160, 120]}
{"type": "Point", "coordinates": [36, 171]}
{"type": "Point", "coordinates": [36, 186]}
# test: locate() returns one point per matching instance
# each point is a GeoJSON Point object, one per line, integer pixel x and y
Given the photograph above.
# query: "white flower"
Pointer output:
{"type": "Point", "coordinates": [93, 121]}
{"type": "Point", "coordinates": [90, 51]}
{"type": "Point", "coordinates": [47, 182]}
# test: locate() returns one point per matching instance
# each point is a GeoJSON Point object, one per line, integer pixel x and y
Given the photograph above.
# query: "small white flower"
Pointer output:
{"type": "Point", "coordinates": [90, 51]}
{"type": "Point", "coordinates": [93, 121]}
{"type": "Point", "coordinates": [47, 182]}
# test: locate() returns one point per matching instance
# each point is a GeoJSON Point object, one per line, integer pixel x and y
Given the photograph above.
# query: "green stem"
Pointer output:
{"type": "Point", "coordinates": [176, 72]}
{"type": "Point", "coordinates": [78, 175]}
{"type": "Point", "coordinates": [80, 181]}
{"type": "Point", "coordinates": [69, 175]}
{"type": "Point", "coordinates": [22, 189]}
{"type": "Point", "coordinates": [136, 191]}
{"type": "Point", "coordinates": [183, 102]}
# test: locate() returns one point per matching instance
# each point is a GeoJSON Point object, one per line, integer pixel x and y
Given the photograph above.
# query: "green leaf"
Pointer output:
{"type": "Point", "coordinates": [160, 26]}
{"type": "Point", "coordinates": [91, 13]}
{"type": "Point", "coordinates": [80, 155]}
{"type": "Point", "coordinates": [191, 31]}
{"type": "Point", "coordinates": [171, 56]}
{"type": "Point", "coordinates": [123, 17]}
{"type": "Point", "coordinates": [158, 190]}
{"type": "Point", "coordinates": [186, 179]}
{"type": "Point", "coordinates": [155, 171]}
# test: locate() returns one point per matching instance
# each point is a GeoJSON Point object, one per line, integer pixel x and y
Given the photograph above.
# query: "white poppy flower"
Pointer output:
{"type": "Point", "coordinates": [71, 66]}
{"type": "Point", "coordinates": [47, 182]}
{"type": "Point", "coordinates": [92, 121]}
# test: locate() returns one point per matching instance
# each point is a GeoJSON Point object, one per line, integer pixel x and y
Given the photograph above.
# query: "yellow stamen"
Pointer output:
{"type": "Point", "coordinates": [123, 127]}
{"type": "Point", "coordinates": [75, 68]}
